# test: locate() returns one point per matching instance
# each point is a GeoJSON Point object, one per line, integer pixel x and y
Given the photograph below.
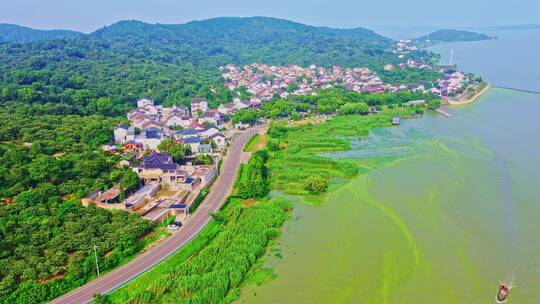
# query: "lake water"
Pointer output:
{"type": "Point", "coordinates": [513, 60]}
{"type": "Point", "coordinates": [444, 209]}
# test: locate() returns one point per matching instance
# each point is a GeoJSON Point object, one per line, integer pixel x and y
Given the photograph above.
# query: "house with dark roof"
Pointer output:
{"type": "Point", "coordinates": [187, 133]}
{"type": "Point", "coordinates": [160, 168]}
{"type": "Point", "coordinates": [241, 104]}
{"type": "Point", "coordinates": [193, 143]}
{"type": "Point", "coordinates": [150, 138]}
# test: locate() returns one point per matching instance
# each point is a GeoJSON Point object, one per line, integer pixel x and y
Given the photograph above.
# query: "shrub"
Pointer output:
{"type": "Point", "coordinates": [316, 184]}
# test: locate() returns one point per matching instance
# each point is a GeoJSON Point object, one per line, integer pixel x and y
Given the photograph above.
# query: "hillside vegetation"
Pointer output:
{"type": "Point", "coordinates": [170, 63]}
{"type": "Point", "coordinates": [17, 33]}
{"type": "Point", "coordinates": [47, 163]}
{"type": "Point", "coordinates": [453, 36]}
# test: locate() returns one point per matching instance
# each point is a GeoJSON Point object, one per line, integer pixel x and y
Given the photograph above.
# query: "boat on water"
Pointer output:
{"type": "Point", "coordinates": [396, 120]}
{"type": "Point", "coordinates": [504, 290]}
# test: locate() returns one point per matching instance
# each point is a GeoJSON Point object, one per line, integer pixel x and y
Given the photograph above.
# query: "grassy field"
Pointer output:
{"type": "Point", "coordinates": [298, 157]}
{"type": "Point", "coordinates": [256, 143]}
{"type": "Point", "coordinates": [252, 143]}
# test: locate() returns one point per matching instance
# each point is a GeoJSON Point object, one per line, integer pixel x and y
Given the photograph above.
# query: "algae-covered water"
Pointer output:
{"type": "Point", "coordinates": [442, 211]}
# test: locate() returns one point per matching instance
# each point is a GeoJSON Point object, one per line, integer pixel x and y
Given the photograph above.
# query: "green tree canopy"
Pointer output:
{"type": "Point", "coordinates": [175, 149]}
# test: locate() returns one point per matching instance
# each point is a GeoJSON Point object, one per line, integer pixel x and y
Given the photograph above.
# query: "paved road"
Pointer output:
{"type": "Point", "coordinates": [219, 192]}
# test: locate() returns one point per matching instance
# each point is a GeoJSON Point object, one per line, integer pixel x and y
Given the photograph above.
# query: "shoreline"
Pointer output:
{"type": "Point", "coordinates": [469, 100]}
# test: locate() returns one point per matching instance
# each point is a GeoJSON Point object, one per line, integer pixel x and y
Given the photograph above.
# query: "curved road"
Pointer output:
{"type": "Point", "coordinates": [212, 203]}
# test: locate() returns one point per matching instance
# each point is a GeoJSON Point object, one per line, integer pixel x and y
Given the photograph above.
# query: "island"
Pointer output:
{"type": "Point", "coordinates": [450, 35]}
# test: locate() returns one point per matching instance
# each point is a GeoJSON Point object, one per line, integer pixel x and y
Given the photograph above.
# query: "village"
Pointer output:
{"type": "Point", "coordinates": [265, 82]}
{"type": "Point", "coordinates": [169, 188]}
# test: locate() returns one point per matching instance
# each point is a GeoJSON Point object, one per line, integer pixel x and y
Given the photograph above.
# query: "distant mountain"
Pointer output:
{"type": "Point", "coordinates": [245, 40]}
{"type": "Point", "coordinates": [17, 33]}
{"type": "Point", "coordinates": [453, 36]}
{"type": "Point", "coordinates": [224, 26]}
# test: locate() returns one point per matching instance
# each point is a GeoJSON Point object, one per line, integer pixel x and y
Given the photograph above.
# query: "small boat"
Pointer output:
{"type": "Point", "coordinates": [504, 290]}
{"type": "Point", "coordinates": [396, 120]}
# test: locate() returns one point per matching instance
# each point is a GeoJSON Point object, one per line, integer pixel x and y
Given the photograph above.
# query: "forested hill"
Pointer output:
{"type": "Point", "coordinates": [454, 35]}
{"type": "Point", "coordinates": [170, 63]}
{"type": "Point", "coordinates": [245, 40]}
{"type": "Point", "coordinates": [17, 33]}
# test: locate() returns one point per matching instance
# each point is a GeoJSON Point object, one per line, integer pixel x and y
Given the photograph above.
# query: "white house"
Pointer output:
{"type": "Point", "coordinates": [123, 134]}
{"type": "Point", "coordinates": [150, 138]}
{"type": "Point", "coordinates": [193, 143]}
{"type": "Point", "coordinates": [186, 133]}
{"type": "Point", "coordinates": [226, 108]}
{"type": "Point", "coordinates": [211, 116]}
{"type": "Point", "coordinates": [209, 132]}
{"type": "Point", "coordinates": [198, 104]}
{"type": "Point", "coordinates": [219, 139]}
{"type": "Point", "coordinates": [143, 102]}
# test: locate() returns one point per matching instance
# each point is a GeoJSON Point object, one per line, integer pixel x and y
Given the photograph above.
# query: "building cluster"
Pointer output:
{"type": "Point", "coordinates": [181, 184]}
{"type": "Point", "coordinates": [197, 128]}
{"type": "Point", "coordinates": [452, 84]}
{"type": "Point", "coordinates": [404, 47]}
{"type": "Point", "coordinates": [150, 124]}
{"type": "Point", "coordinates": [265, 82]}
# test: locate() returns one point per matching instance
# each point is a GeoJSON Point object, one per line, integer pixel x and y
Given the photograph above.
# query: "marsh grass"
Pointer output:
{"type": "Point", "coordinates": [213, 266]}
{"type": "Point", "coordinates": [300, 147]}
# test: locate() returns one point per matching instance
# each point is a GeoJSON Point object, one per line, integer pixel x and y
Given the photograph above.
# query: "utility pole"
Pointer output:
{"type": "Point", "coordinates": [95, 255]}
{"type": "Point", "coordinates": [452, 57]}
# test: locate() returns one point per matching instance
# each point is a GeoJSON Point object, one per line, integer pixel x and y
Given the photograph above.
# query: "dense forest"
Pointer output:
{"type": "Point", "coordinates": [172, 63]}
{"type": "Point", "coordinates": [47, 163]}
{"type": "Point", "coordinates": [453, 35]}
{"type": "Point", "coordinates": [17, 33]}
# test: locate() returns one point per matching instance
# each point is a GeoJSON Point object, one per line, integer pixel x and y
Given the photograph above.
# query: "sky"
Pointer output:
{"type": "Point", "coordinates": [89, 15]}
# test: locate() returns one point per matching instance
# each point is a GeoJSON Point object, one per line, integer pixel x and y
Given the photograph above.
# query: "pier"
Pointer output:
{"type": "Point", "coordinates": [444, 113]}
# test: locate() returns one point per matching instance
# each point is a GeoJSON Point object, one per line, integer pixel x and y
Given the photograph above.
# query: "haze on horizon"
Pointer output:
{"type": "Point", "coordinates": [91, 15]}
